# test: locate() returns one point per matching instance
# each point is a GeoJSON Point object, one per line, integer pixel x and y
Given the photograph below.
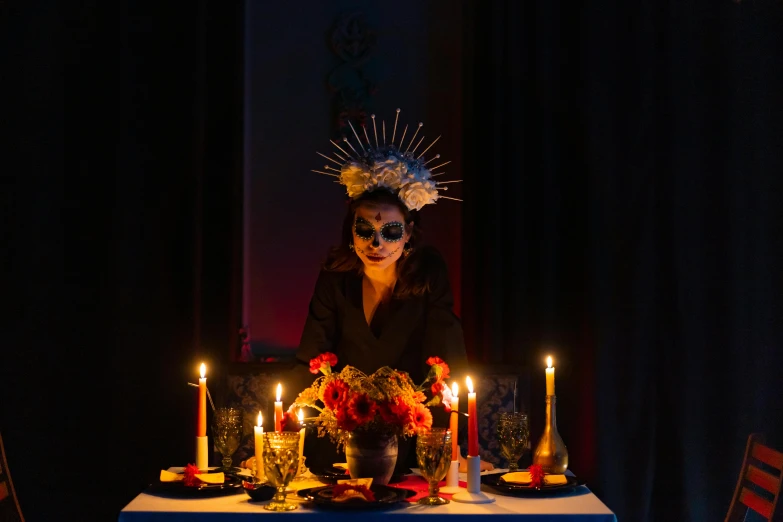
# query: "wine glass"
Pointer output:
{"type": "Point", "coordinates": [433, 454]}
{"type": "Point", "coordinates": [513, 437]}
{"type": "Point", "coordinates": [281, 462]}
{"type": "Point", "coordinates": [227, 434]}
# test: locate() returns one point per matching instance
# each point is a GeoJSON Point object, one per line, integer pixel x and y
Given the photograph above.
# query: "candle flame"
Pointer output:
{"type": "Point", "coordinates": [203, 370]}
{"type": "Point", "coordinates": [549, 362]}
{"type": "Point", "coordinates": [454, 389]}
{"type": "Point", "coordinates": [260, 419]}
{"type": "Point", "coordinates": [279, 392]}
{"type": "Point", "coordinates": [470, 384]}
{"type": "Point", "coordinates": [301, 416]}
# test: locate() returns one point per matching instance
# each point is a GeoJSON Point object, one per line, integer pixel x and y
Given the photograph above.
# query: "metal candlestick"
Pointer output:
{"type": "Point", "coordinates": [551, 453]}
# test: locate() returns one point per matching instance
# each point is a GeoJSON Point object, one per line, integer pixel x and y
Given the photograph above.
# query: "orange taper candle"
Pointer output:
{"type": "Point", "coordinates": [473, 445]}
{"type": "Point", "coordinates": [279, 409]}
{"type": "Point", "coordinates": [201, 427]}
{"type": "Point", "coordinates": [454, 422]}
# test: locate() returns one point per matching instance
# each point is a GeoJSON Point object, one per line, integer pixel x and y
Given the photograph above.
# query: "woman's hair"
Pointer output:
{"type": "Point", "coordinates": [412, 277]}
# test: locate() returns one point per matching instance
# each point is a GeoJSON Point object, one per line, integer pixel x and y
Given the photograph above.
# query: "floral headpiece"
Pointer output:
{"type": "Point", "coordinates": [388, 166]}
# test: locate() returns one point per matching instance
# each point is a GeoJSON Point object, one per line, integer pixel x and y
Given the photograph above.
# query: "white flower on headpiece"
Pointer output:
{"type": "Point", "coordinates": [417, 194]}
{"type": "Point", "coordinates": [389, 173]}
{"type": "Point", "coordinates": [355, 179]}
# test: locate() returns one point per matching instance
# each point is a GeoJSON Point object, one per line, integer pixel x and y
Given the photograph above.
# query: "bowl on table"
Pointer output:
{"type": "Point", "coordinates": [258, 491]}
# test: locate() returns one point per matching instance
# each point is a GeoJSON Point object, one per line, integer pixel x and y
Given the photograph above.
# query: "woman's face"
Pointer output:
{"type": "Point", "coordinates": [379, 235]}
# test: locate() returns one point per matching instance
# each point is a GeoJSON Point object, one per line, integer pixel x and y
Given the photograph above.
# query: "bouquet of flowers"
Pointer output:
{"type": "Point", "coordinates": [386, 402]}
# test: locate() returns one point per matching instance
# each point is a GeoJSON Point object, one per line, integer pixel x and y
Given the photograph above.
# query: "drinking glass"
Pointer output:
{"type": "Point", "coordinates": [433, 454]}
{"type": "Point", "coordinates": [513, 437]}
{"type": "Point", "coordinates": [281, 461]}
{"type": "Point", "coordinates": [227, 434]}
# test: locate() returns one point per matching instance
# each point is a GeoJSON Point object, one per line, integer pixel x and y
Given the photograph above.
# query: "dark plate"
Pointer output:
{"type": "Point", "coordinates": [385, 497]}
{"type": "Point", "coordinates": [258, 491]}
{"type": "Point", "coordinates": [493, 480]}
{"type": "Point", "coordinates": [331, 475]}
{"type": "Point", "coordinates": [232, 484]}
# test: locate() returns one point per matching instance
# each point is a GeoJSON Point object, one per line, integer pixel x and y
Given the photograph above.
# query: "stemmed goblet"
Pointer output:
{"type": "Point", "coordinates": [433, 454]}
{"type": "Point", "coordinates": [281, 462]}
{"type": "Point", "coordinates": [513, 437]}
{"type": "Point", "coordinates": [227, 434]}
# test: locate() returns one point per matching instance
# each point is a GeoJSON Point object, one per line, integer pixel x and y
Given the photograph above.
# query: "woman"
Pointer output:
{"type": "Point", "coordinates": [382, 299]}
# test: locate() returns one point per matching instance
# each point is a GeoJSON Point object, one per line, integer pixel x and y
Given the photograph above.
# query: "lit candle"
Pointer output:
{"type": "Point", "coordinates": [473, 445]}
{"type": "Point", "coordinates": [201, 427]}
{"type": "Point", "coordinates": [259, 439]}
{"type": "Point", "coordinates": [301, 436]}
{"type": "Point", "coordinates": [279, 409]}
{"type": "Point", "coordinates": [454, 421]}
{"type": "Point", "coordinates": [550, 377]}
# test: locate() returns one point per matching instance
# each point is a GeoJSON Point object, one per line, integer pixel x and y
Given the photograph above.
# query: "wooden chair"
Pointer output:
{"type": "Point", "coordinates": [758, 485]}
{"type": "Point", "coordinates": [9, 504]}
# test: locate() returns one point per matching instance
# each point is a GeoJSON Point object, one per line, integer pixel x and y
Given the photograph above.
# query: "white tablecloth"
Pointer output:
{"type": "Point", "coordinates": [579, 506]}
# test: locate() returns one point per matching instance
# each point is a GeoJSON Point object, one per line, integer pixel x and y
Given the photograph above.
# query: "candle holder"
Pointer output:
{"type": "Point", "coordinates": [551, 453]}
{"type": "Point", "coordinates": [473, 494]}
{"type": "Point", "coordinates": [202, 453]}
{"type": "Point", "coordinates": [452, 479]}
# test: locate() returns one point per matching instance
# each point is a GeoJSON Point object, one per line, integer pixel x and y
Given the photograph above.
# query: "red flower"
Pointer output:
{"type": "Point", "coordinates": [318, 364]}
{"type": "Point", "coordinates": [362, 408]}
{"type": "Point", "coordinates": [335, 394]}
{"type": "Point", "coordinates": [191, 470]}
{"type": "Point", "coordinates": [443, 366]}
{"type": "Point", "coordinates": [345, 420]}
{"type": "Point", "coordinates": [402, 411]}
{"type": "Point", "coordinates": [536, 476]}
{"type": "Point", "coordinates": [422, 418]}
{"type": "Point", "coordinates": [386, 413]}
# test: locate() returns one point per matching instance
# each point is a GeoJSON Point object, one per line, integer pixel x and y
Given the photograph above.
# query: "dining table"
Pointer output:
{"type": "Point", "coordinates": [576, 504]}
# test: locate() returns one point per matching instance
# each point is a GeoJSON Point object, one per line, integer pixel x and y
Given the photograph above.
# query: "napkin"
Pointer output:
{"type": "Point", "coordinates": [341, 465]}
{"type": "Point", "coordinates": [366, 482]}
{"type": "Point", "coordinates": [517, 477]}
{"type": "Point", "coordinates": [208, 478]}
{"type": "Point", "coordinates": [523, 477]}
{"type": "Point", "coordinates": [358, 489]}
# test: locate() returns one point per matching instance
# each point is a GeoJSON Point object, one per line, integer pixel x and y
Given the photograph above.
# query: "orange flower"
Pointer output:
{"type": "Point", "coordinates": [422, 418]}
{"type": "Point", "coordinates": [419, 397]}
{"type": "Point", "coordinates": [335, 394]}
{"type": "Point", "coordinates": [362, 408]}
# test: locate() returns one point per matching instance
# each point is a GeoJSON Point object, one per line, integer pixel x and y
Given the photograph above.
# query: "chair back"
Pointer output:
{"type": "Point", "coordinates": [9, 504]}
{"type": "Point", "coordinates": [758, 485]}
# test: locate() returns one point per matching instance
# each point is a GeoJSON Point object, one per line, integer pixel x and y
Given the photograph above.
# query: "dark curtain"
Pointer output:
{"type": "Point", "coordinates": [122, 226]}
{"type": "Point", "coordinates": [623, 186]}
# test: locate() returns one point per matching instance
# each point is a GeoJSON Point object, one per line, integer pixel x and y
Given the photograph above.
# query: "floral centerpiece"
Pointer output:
{"type": "Point", "coordinates": [386, 403]}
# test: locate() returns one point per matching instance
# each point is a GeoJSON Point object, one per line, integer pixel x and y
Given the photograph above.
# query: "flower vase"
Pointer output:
{"type": "Point", "coordinates": [371, 456]}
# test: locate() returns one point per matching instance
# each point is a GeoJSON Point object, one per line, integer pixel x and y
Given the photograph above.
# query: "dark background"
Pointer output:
{"type": "Point", "coordinates": [622, 167]}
